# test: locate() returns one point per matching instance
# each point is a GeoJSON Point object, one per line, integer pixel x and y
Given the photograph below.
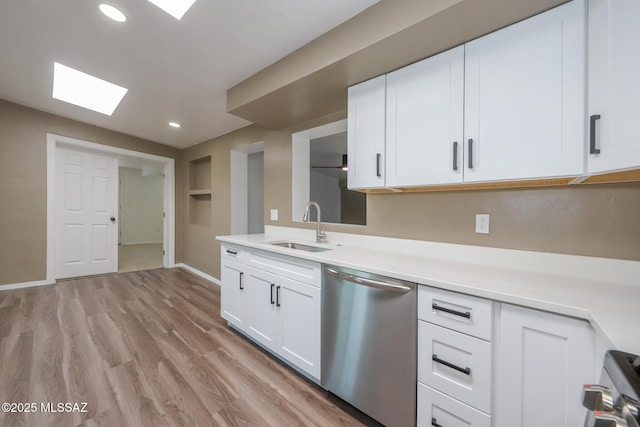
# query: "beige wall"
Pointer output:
{"type": "Point", "coordinates": [598, 220]}
{"type": "Point", "coordinates": [23, 184]}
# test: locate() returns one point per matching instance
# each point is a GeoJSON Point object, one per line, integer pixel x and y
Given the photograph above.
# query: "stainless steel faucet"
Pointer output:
{"type": "Point", "coordinates": [319, 233]}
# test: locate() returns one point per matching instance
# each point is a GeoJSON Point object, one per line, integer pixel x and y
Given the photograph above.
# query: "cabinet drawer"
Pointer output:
{"type": "Point", "coordinates": [231, 252]}
{"type": "Point", "coordinates": [462, 313]}
{"type": "Point", "coordinates": [435, 408]}
{"type": "Point", "coordinates": [444, 354]}
{"type": "Point", "coordinates": [293, 268]}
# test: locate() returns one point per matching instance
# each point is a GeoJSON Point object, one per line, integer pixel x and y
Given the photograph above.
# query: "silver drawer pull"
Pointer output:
{"type": "Point", "coordinates": [466, 371]}
{"type": "Point", "coordinates": [232, 252]}
{"type": "Point", "coordinates": [465, 314]}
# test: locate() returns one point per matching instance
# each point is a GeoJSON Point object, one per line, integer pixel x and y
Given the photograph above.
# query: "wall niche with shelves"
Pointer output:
{"type": "Point", "coordinates": [200, 192]}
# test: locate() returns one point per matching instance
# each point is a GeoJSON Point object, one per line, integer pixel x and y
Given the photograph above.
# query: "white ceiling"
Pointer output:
{"type": "Point", "coordinates": [174, 70]}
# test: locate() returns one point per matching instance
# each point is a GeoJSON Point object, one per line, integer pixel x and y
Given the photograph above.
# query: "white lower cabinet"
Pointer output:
{"type": "Point", "coordinates": [299, 325]}
{"type": "Point", "coordinates": [543, 360]}
{"type": "Point", "coordinates": [454, 359]}
{"type": "Point", "coordinates": [280, 313]}
{"type": "Point", "coordinates": [436, 409]}
{"type": "Point", "coordinates": [232, 293]}
{"type": "Point", "coordinates": [460, 364]}
{"type": "Point", "coordinates": [483, 363]}
{"type": "Point", "coordinates": [261, 322]}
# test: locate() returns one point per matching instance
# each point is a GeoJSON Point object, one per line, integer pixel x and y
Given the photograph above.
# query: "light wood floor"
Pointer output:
{"type": "Point", "coordinates": [146, 348]}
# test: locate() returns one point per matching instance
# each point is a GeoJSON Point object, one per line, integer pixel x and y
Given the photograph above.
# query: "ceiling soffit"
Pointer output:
{"type": "Point", "coordinates": [312, 81]}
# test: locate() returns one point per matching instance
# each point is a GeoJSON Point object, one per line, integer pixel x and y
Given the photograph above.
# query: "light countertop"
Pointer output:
{"type": "Point", "coordinates": [605, 292]}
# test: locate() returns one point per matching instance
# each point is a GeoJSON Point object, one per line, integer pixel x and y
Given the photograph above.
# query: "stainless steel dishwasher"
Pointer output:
{"type": "Point", "coordinates": [369, 327]}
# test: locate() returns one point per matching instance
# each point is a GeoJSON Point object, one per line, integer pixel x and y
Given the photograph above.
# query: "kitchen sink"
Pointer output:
{"type": "Point", "coordinates": [300, 246]}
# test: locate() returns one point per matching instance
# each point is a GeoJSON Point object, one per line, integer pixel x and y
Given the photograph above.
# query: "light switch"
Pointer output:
{"type": "Point", "coordinates": [274, 214]}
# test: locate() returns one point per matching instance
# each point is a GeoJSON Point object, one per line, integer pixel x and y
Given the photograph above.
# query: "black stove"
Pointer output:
{"type": "Point", "coordinates": [615, 402]}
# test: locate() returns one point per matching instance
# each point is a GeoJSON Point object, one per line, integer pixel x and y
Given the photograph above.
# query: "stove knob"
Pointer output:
{"type": "Point", "coordinates": [597, 398]}
{"type": "Point", "coordinates": [605, 419]}
{"type": "Point", "coordinates": [630, 408]}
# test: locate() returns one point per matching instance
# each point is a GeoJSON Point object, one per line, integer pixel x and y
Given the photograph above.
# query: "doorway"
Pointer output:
{"type": "Point", "coordinates": [140, 218]}
{"type": "Point", "coordinates": [247, 189]}
{"type": "Point", "coordinates": [120, 156]}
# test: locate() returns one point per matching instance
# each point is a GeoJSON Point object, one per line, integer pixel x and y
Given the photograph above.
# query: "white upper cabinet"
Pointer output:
{"type": "Point", "coordinates": [425, 106]}
{"type": "Point", "coordinates": [365, 134]}
{"type": "Point", "coordinates": [614, 85]}
{"type": "Point", "coordinates": [507, 106]}
{"type": "Point", "coordinates": [524, 99]}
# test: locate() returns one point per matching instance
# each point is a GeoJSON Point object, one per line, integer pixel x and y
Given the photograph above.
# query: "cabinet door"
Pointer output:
{"type": "Point", "coordinates": [299, 325]}
{"type": "Point", "coordinates": [365, 138]}
{"type": "Point", "coordinates": [232, 301]}
{"type": "Point", "coordinates": [261, 316]}
{"type": "Point", "coordinates": [438, 409]}
{"type": "Point", "coordinates": [524, 98]}
{"type": "Point", "coordinates": [614, 85]}
{"type": "Point", "coordinates": [425, 106]}
{"type": "Point", "coordinates": [543, 361]}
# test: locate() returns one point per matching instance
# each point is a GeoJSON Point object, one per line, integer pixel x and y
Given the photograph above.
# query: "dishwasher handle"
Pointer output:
{"type": "Point", "coordinates": [385, 286]}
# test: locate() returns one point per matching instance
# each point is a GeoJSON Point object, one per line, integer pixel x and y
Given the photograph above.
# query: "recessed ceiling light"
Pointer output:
{"type": "Point", "coordinates": [174, 124]}
{"type": "Point", "coordinates": [175, 8]}
{"type": "Point", "coordinates": [112, 12]}
{"type": "Point", "coordinates": [85, 90]}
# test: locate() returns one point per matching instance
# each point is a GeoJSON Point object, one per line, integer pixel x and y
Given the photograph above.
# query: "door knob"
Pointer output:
{"type": "Point", "coordinates": [113, 219]}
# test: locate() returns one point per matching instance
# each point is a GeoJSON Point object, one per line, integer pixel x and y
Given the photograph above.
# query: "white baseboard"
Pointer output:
{"type": "Point", "coordinates": [26, 285]}
{"type": "Point", "coordinates": [199, 273]}
{"type": "Point", "coordinates": [140, 243]}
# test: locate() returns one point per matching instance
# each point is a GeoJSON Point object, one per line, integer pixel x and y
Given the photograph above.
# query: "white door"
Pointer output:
{"type": "Point", "coordinates": [299, 325]}
{"type": "Point", "coordinates": [543, 361]}
{"type": "Point", "coordinates": [366, 134]}
{"type": "Point", "coordinates": [425, 106]}
{"type": "Point", "coordinates": [614, 86]}
{"type": "Point", "coordinates": [86, 208]}
{"type": "Point", "coordinates": [232, 304]}
{"type": "Point", "coordinates": [524, 99]}
{"type": "Point", "coordinates": [261, 322]}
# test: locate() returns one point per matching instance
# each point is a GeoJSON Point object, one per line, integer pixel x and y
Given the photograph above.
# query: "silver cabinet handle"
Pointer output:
{"type": "Point", "coordinates": [229, 251]}
{"type": "Point", "coordinates": [592, 134]}
{"type": "Point", "coordinates": [455, 155]}
{"type": "Point", "coordinates": [378, 171]}
{"type": "Point", "coordinates": [470, 156]}
{"type": "Point", "coordinates": [385, 286]}
{"type": "Point", "coordinates": [272, 286]}
{"type": "Point", "coordinates": [277, 296]}
{"type": "Point", "coordinates": [241, 279]}
{"type": "Point", "coordinates": [434, 422]}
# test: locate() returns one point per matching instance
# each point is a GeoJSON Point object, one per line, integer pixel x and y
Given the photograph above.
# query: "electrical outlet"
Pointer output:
{"type": "Point", "coordinates": [482, 223]}
{"type": "Point", "coordinates": [274, 214]}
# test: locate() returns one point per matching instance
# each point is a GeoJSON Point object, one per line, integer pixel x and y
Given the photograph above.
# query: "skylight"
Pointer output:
{"type": "Point", "coordinates": [84, 90]}
{"type": "Point", "coordinates": [175, 8]}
